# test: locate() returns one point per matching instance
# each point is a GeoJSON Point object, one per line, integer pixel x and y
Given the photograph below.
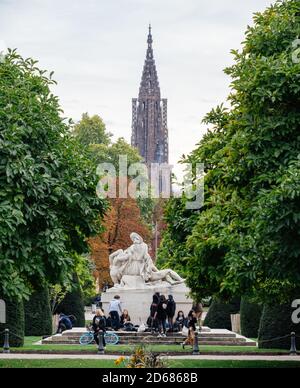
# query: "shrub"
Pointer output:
{"type": "Point", "coordinates": [73, 304]}
{"type": "Point", "coordinates": [218, 316]}
{"type": "Point", "coordinates": [276, 323]}
{"type": "Point", "coordinates": [38, 318]}
{"type": "Point", "coordinates": [14, 322]}
{"type": "Point", "coordinates": [250, 318]}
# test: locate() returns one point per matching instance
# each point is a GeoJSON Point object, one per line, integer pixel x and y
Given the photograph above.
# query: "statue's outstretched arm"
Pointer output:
{"type": "Point", "coordinates": [114, 254]}
{"type": "Point", "coordinates": [123, 257]}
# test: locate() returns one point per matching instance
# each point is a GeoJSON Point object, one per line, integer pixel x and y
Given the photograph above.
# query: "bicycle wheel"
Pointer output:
{"type": "Point", "coordinates": [86, 339]}
{"type": "Point", "coordinates": [111, 338]}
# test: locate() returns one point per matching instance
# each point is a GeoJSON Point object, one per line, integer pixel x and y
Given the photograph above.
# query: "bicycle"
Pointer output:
{"type": "Point", "coordinates": [110, 337]}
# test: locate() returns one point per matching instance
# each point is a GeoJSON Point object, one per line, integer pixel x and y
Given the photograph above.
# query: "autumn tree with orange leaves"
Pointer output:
{"type": "Point", "coordinates": [123, 218]}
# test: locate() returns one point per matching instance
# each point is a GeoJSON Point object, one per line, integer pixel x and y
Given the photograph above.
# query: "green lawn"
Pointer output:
{"type": "Point", "coordinates": [65, 363]}
{"type": "Point", "coordinates": [29, 346]}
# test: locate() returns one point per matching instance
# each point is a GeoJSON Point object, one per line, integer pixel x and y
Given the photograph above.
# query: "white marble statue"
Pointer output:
{"type": "Point", "coordinates": [136, 261]}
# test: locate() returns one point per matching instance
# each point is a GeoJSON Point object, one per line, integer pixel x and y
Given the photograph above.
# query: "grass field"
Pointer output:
{"type": "Point", "coordinates": [30, 347]}
{"type": "Point", "coordinates": [65, 363]}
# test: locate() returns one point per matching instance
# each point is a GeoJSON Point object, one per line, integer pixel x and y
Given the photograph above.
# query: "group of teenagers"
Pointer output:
{"type": "Point", "coordinates": [162, 313]}
{"type": "Point", "coordinates": [161, 318]}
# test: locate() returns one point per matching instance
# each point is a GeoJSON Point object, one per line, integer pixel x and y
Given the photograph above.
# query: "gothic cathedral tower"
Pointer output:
{"type": "Point", "coordinates": [149, 115]}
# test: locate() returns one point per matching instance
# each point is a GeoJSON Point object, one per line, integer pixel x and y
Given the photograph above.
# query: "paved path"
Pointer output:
{"type": "Point", "coordinates": [14, 356]}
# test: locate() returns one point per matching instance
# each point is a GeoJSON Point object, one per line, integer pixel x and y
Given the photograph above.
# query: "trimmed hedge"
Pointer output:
{"type": "Point", "coordinates": [38, 317]}
{"type": "Point", "coordinates": [14, 322]}
{"type": "Point", "coordinates": [276, 322]}
{"type": "Point", "coordinates": [250, 318]}
{"type": "Point", "coordinates": [218, 316]}
{"type": "Point", "coordinates": [73, 304]}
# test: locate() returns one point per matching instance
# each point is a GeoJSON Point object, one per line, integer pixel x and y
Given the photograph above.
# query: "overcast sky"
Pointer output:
{"type": "Point", "coordinates": [97, 50]}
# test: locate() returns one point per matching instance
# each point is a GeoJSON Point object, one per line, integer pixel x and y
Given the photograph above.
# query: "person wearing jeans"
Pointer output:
{"type": "Point", "coordinates": [115, 310]}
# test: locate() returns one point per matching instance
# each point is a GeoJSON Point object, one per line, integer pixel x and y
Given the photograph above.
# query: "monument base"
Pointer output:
{"type": "Point", "coordinates": [136, 297]}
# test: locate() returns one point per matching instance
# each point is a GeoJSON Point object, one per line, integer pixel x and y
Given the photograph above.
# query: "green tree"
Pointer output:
{"type": "Point", "coordinates": [91, 130]}
{"type": "Point", "coordinates": [179, 221]}
{"type": "Point", "coordinates": [246, 236]}
{"type": "Point", "coordinates": [101, 153]}
{"type": "Point", "coordinates": [84, 270]}
{"type": "Point", "coordinates": [92, 134]}
{"type": "Point", "coordinates": [48, 204]}
{"type": "Point", "coordinates": [38, 317]}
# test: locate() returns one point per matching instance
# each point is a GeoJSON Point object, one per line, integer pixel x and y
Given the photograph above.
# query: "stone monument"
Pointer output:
{"type": "Point", "coordinates": [136, 279]}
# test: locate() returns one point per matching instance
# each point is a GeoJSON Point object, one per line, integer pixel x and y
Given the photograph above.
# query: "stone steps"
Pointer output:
{"type": "Point", "coordinates": [208, 337]}
{"type": "Point", "coordinates": [203, 343]}
{"type": "Point", "coordinates": [146, 339]}
{"type": "Point", "coordinates": [130, 335]}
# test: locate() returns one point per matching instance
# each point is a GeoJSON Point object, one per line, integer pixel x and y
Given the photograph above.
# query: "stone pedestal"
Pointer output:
{"type": "Point", "coordinates": [136, 297]}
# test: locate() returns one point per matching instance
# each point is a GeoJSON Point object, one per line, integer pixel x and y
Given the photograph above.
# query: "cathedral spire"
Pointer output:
{"type": "Point", "coordinates": [149, 86]}
{"type": "Point", "coordinates": [149, 114]}
{"type": "Point", "coordinates": [150, 40]}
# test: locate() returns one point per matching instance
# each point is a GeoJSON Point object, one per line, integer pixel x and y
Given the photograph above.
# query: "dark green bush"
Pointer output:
{"type": "Point", "coordinates": [275, 323]}
{"type": "Point", "coordinates": [38, 318]}
{"type": "Point", "coordinates": [218, 316]}
{"type": "Point", "coordinates": [14, 322]}
{"type": "Point", "coordinates": [250, 318]}
{"type": "Point", "coordinates": [73, 304]}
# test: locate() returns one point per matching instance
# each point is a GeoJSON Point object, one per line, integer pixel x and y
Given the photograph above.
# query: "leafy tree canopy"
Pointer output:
{"type": "Point", "coordinates": [246, 238]}
{"type": "Point", "coordinates": [48, 204]}
{"type": "Point", "coordinates": [91, 130]}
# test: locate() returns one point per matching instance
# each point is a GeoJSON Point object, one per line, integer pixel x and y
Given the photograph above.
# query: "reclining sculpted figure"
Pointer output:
{"type": "Point", "coordinates": [136, 261]}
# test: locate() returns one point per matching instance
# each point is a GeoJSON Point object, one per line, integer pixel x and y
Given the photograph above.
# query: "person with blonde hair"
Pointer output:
{"type": "Point", "coordinates": [99, 325]}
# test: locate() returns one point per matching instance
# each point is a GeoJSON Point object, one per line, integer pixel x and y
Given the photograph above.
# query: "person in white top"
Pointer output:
{"type": "Point", "coordinates": [115, 310]}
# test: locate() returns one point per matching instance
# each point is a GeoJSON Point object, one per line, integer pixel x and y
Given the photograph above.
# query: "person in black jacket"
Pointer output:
{"type": "Point", "coordinates": [192, 321]}
{"type": "Point", "coordinates": [99, 325]}
{"type": "Point", "coordinates": [152, 320]}
{"type": "Point", "coordinates": [171, 308]}
{"type": "Point", "coordinates": [64, 323]}
{"type": "Point", "coordinates": [162, 316]}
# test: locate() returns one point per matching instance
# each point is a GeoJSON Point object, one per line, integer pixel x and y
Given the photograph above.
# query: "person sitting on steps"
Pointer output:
{"type": "Point", "coordinates": [180, 321]}
{"type": "Point", "coordinates": [99, 325]}
{"type": "Point", "coordinates": [64, 323]}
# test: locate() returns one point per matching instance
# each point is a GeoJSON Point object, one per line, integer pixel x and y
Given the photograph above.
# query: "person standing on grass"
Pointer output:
{"type": "Point", "coordinates": [192, 320]}
{"type": "Point", "coordinates": [162, 316]}
{"type": "Point", "coordinates": [99, 325]}
{"type": "Point", "coordinates": [115, 310]}
{"type": "Point", "coordinates": [171, 308]}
